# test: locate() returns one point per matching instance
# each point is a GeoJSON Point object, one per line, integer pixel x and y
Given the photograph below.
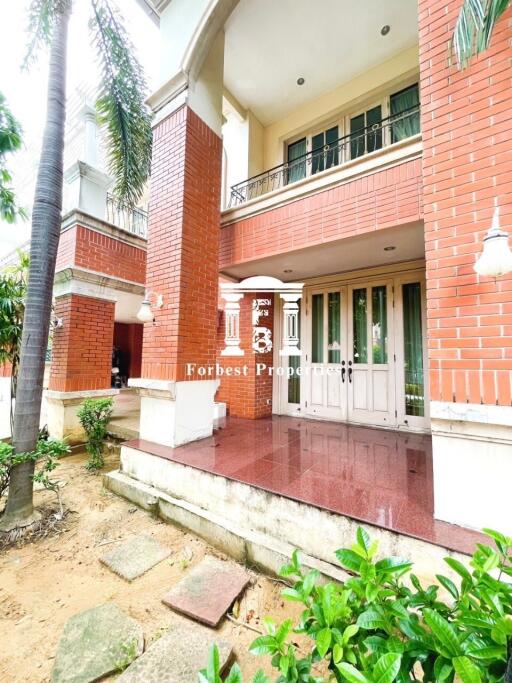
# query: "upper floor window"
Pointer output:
{"type": "Point", "coordinates": [381, 123]}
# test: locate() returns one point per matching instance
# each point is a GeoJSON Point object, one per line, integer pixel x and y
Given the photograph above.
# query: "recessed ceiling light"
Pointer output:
{"type": "Point", "coordinates": [385, 29]}
{"type": "Point", "coordinates": [288, 270]}
{"type": "Point", "coordinates": [300, 81]}
{"type": "Point", "coordinates": [389, 248]}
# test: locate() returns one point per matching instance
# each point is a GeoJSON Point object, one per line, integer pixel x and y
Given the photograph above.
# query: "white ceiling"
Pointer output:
{"type": "Point", "coordinates": [270, 43]}
{"type": "Point", "coordinates": [362, 251]}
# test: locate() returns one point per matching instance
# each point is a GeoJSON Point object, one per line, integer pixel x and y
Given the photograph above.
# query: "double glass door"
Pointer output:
{"type": "Point", "coordinates": [362, 354]}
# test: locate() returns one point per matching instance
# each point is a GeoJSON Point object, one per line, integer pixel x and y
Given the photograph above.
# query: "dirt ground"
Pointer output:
{"type": "Point", "coordinates": [44, 583]}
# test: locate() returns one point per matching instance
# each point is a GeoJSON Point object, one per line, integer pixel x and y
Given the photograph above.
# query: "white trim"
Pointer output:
{"type": "Point", "coordinates": [76, 218]}
{"type": "Point", "coordinates": [384, 158]}
{"type": "Point", "coordinates": [471, 412]}
{"type": "Point", "coordinates": [90, 278]}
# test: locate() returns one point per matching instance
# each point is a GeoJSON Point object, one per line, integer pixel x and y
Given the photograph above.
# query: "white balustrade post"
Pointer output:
{"type": "Point", "coordinates": [232, 324]}
{"type": "Point", "coordinates": [290, 324]}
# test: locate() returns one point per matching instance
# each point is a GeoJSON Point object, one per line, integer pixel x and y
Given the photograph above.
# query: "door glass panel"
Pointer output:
{"type": "Point", "coordinates": [296, 164]}
{"type": "Point", "coordinates": [317, 332]}
{"type": "Point", "coordinates": [379, 325]}
{"type": "Point", "coordinates": [293, 365]}
{"type": "Point", "coordinates": [359, 323]}
{"type": "Point", "coordinates": [413, 351]}
{"type": "Point", "coordinates": [405, 122]}
{"type": "Point", "coordinates": [373, 123]}
{"type": "Point", "coordinates": [334, 338]}
{"type": "Point", "coordinates": [357, 136]}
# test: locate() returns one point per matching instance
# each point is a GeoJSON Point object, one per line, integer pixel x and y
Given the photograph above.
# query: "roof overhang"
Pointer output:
{"type": "Point", "coordinates": [153, 8]}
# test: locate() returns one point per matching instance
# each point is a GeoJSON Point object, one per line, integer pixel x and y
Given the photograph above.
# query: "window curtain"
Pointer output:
{"type": "Point", "coordinates": [334, 339]}
{"type": "Point", "coordinates": [317, 355]}
{"type": "Point", "coordinates": [413, 350]}
{"type": "Point", "coordinates": [296, 165]}
{"type": "Point", "coordinates": [410, 124]}
{"type": "Point", "coordinates": [360, 327]}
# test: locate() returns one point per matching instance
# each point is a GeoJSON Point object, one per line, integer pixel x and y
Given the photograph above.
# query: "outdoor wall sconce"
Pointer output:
{"type": "Point", "coordinates": [496, 257]}
{"type": "Point", "coordinates": [57, 323]}
{"type": "Point", "coordinates": [145, 314]}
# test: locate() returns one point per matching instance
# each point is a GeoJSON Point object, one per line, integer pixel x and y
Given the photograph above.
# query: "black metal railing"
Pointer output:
{"type": "Point", "coordinates": [392, 129]}
{"type": "Point", "coordinates": [127, 218]}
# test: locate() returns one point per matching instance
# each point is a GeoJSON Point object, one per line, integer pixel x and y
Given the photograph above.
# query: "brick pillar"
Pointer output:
{"type": "Point", "coordinates": [247, 388]}
{"type": "Point", "coordinates": [81, 360]}
{"type": "Point", "coordinates": [467, 162]}
{"type": "Point", "coordinates": [82, 347]}
{"type": "Point", "coordinates": [182, 268]}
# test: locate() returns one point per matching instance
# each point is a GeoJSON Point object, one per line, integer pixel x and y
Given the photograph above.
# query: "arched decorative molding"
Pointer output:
{"type": "Point", "coordinates": [212, 21]}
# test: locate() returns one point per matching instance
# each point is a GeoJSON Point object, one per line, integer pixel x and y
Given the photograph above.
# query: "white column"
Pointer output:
{"type": "Point", "coordinates": [232, 324]}
{"type": "Point", "coordinates": [290, 325]}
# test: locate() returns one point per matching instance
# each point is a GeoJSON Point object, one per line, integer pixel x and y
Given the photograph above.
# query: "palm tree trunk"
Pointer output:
{"type": "Point", "coordinates": [46, 224]}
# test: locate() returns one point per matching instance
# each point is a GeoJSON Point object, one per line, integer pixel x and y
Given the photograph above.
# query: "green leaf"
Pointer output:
{"type": "Point", "coordinates": [350, 631]}
{"type": "Point", "coordinates": [292, 594]}
{"type": "Point", "coordinates": [309, 582]}
{"type": "Point", "coordinates": [448, 585]}
{"type": "Point", "coordinates": [283, 630]}
{"type": "Point", "coordinates": [323, 641]}
{"type": "Point", "coordinates": [337, 653]}
{"type": "Point", "coordinates": [442, 669]}
{"type": "Point", "coordinates": [263, 645]}
{"type": "Point", "coordinates": [260, 677]}
{"type": "Point", "coordinates": [459, 568]}
{"type": "Point", "coordinates": [212, 669]}
{"type": "Point", "coordinates": [371, 620]}
{"type": "Point", "coordinates": [363, 539]}
{"type": "Point", "coordinates": [443, 631]}
{"type": "Point", "coordinates": [467, 671]}
{"type": "Point", "coordinates": [391, 565]}
{"type": "Point", "coordinates": [351, 673]}
{"type": "Point", "coordinates": [488, 652]}
{"type": "Point", "coordinates": [387, 668]}
{"type": "Point", "coordinates": [235, 675]}
{"type": "Point", "coordinates": [349, 559]}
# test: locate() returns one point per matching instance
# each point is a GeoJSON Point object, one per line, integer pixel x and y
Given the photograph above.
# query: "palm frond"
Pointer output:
{"type": "Point", "coordinates": [121, 105]}
{"type": "Point", "coordinates": [474, 28]}
{"type": "Point", "coordinates": [42, 15]}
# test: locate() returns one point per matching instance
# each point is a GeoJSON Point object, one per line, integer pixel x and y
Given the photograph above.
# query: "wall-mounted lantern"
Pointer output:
{"type": "Point", "coordinates": [496, 257]}
{"type": "Point", "coordinates": [145, 314]}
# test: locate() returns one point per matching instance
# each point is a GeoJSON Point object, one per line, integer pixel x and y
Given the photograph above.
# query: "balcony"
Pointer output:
{"type": "Point", "coordinates": [133, 220]}
{"type": "Point", "coordinates": [345, 150]}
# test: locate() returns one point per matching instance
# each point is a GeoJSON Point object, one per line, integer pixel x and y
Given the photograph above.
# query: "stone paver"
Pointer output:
{"type": "Point", "coordinates": [176, 657]}
{"type": "Point", "coordinates": [135, 556]}
{"type": "Point", "coordinates": [207, 592]}
{"type": "Point", "coordinates": [95, 643]}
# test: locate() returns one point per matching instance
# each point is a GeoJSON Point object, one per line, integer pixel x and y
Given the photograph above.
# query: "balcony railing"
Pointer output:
{"type": "Point", "coordinates": [127, 218]}
{"type": "Point", "coordinates": [392, 129]}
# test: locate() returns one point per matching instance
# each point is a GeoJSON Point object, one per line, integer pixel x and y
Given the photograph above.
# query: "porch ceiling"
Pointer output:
{"type": "Point", "coordinates": [353, 253]}
{"type": "Point", "coordinates": [270, 44]}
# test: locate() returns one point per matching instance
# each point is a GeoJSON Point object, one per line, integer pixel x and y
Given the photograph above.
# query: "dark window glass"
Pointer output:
{"type": "Point", "coordinates": [296, 161]}
{"type": "Point", "coordinates": [405, 113]}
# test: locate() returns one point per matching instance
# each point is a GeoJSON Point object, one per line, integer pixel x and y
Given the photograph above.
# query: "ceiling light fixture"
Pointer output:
{"type": "Point", "coordinates": [300, 81]}
{"type": "Point", "coordinates": [287, 270]}
{"type": "Point", "coordinates": [496, 257]}
{"type": "Point", "coordinates": [389, 248]}
{"type": "Point", "coordinates": [385, 30]}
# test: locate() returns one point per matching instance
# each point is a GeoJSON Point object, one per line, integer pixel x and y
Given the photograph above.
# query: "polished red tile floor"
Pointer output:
{"type": "Point", "coordinates": [372, 475]}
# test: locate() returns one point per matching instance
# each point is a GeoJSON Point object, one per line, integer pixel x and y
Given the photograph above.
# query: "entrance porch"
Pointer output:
{"type": "Point", "coordinates": [291, 482]}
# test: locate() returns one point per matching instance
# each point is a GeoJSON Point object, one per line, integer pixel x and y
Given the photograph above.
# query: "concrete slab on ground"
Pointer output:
{"type": "Point", "coordinates": [96, 643]}
{"type": "Point", "coordinates": [135, 556]}
{"type": "Point", "coordinates": [208, 591]}
{"type": "Point", "coordinates": [177, 656]}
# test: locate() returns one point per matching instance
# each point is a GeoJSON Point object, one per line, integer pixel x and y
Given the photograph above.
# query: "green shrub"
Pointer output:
{"type": "Point", "coordinates": [382, 625]}
{"type": "Point", "coordinates": [47, 453]}
{"type": "Point", "coordinates": [94, 415]}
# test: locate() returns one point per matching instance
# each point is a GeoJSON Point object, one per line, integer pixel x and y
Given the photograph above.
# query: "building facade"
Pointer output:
{"type": "Point", "coordinates": [338, 148]}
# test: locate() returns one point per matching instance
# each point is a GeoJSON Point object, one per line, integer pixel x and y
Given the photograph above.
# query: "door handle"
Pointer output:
{"type": "Point", "coordinates": [343, 371]}
{"type": "Point", "coordinates": [350, 371]}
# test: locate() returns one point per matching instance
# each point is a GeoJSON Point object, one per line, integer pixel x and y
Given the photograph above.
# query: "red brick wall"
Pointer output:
{"type": "Point", "coordinates": [82, 347]}
{"type": "Point", "coordinates": [183, 247]}
{"type": "Point", "coordinates": [5, 370]}
{"type": "Point", "coordinates": [467, 168]}
{"type": "Point", "coordinates": [85, 248]}
{"type": "Point", "coordinates": [378, 200]}
{"type": "Point", "coordinates": [247, 395]}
